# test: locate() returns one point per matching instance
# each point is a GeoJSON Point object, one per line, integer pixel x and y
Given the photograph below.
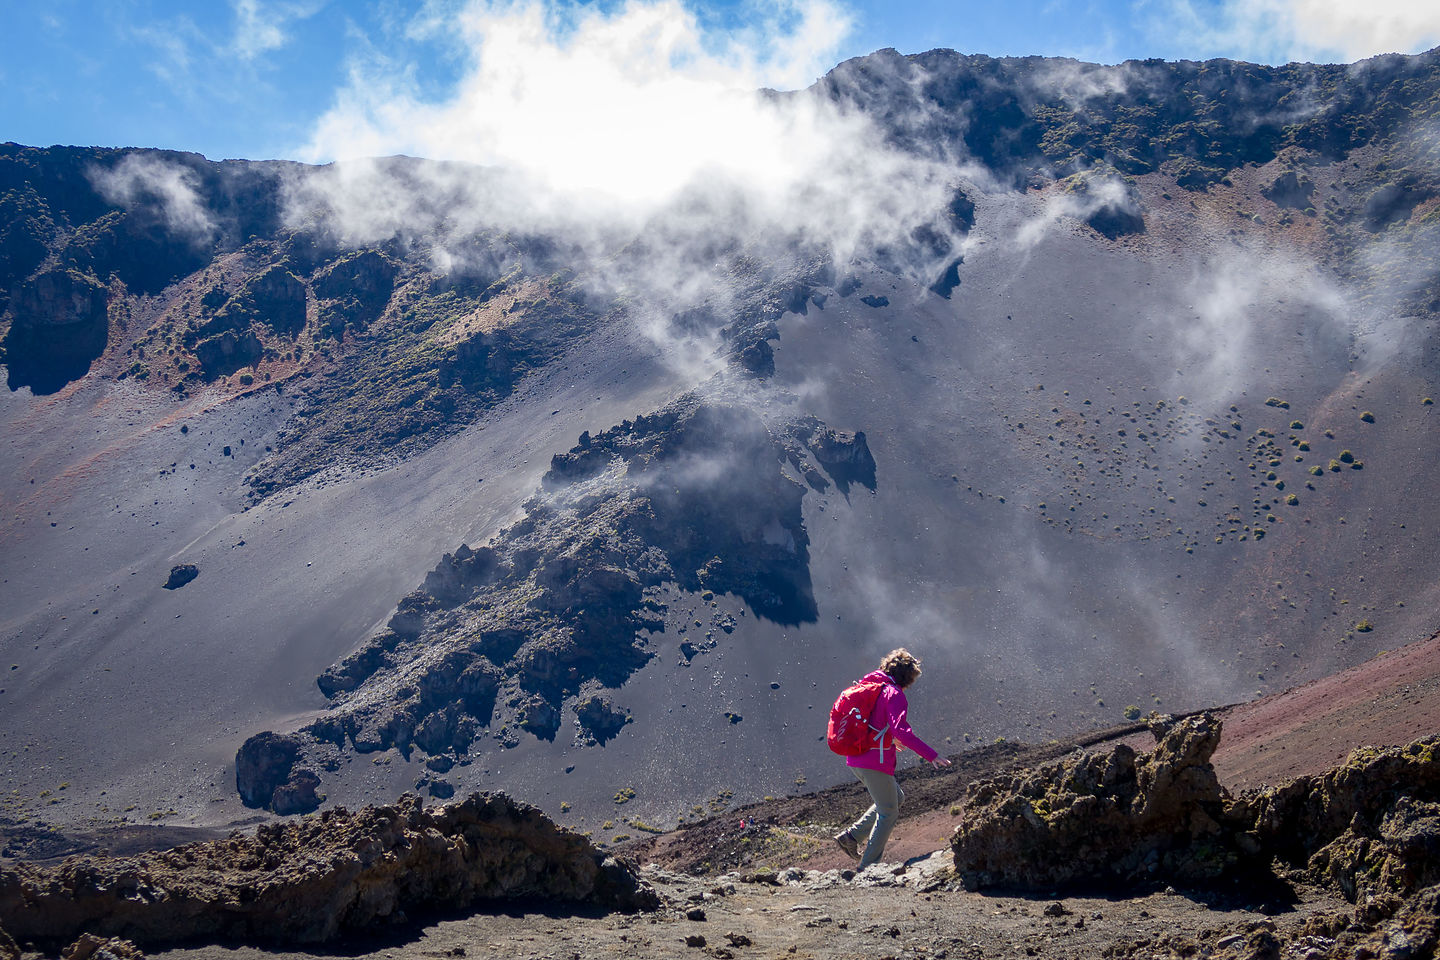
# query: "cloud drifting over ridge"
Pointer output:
{"type": "Point", "coordinates": [600, 125]}
{"type": "Point", "coordinates": [628, 108]}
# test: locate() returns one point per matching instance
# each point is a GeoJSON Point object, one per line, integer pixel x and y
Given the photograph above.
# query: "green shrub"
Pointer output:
{"type": "Point", "coordinates": [1292, 500]}
{"type": "Point", "coordinates": [1346, 456]}
{"type": "Point", "coordinates": [1368, 417]}
{"type": "Point", "coordinates": [1132, 712]}
{"type": "Point", "coordinates": [1296, 425]}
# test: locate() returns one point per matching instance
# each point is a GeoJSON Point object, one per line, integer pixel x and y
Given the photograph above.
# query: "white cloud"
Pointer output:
{"type": "Point", "coordinates": [261, 25]}
{"type": "Point", "coordinates": [1277, 31]}
{"type": "Point", "coordinates": [631, 105]}
{"type": "Point", "coordinates": [139, 180]}
{"type": "Point", "coordinates": [597, 122]}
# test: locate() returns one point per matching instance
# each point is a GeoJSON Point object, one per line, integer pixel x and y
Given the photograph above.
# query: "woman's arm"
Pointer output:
{"type": "Point", "coordinates": [897, 707]}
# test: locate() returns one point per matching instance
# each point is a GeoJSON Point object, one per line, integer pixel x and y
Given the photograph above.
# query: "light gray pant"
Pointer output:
{"type": "Point", "coordinates": [877, 822]}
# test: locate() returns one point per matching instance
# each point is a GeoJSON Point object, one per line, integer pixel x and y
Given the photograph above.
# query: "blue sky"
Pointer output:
{"type": "Point", "coordinates": [259, 78]}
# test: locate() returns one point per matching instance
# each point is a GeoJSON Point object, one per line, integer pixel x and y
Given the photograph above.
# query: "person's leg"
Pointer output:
{"type": "Point", "coordinates": [851, 838]}
{"type": "Point", "coordinates": [886, 794]}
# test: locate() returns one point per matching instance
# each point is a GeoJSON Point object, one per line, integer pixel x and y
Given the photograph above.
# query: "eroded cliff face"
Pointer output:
{"type": "Point", "coordinates": [705, 494]}
{"type": "Point", "coordinates": [310, 880]}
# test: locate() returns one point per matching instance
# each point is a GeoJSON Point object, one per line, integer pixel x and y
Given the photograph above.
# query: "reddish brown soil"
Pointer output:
{"type": "Point", "coordinates": [1391, 699]}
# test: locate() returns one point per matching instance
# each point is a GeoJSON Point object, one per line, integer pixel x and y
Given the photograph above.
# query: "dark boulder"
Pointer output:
{"type": "Point", "coordinates": [181, 574]}
{"type": "Point", "coordinates": [265, 774]}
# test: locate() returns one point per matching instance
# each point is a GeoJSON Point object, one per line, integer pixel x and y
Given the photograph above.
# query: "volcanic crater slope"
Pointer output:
{"type": "Point", "coordinates": [702, 493]}
{"type": "Point", "coordinates": [1160, 246]}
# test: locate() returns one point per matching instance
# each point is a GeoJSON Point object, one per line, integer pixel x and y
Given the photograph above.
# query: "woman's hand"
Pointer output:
{"type": "Point", "coordinates": [939, 762]}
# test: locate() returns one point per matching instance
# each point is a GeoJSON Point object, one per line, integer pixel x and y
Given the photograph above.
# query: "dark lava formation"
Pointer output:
{"type": "Point", "coordinates": [311, 880]}
{"type": "Point", "coordinates": [1370, 827]}
{"type": "Point", "coordinates": [556, 608]}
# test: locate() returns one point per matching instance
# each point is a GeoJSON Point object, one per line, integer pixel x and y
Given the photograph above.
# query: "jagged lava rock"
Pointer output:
{"type": "Point", "coordinates": [308, 880]}
{"type": "Point", "coordinates": [265, 775]}
{"type": "Point", "coordinates": [1101, 817]}
{"type": "Point", "coordinates": [1370, 826]}
{"type": "Point", "coordinates": [91, 947]}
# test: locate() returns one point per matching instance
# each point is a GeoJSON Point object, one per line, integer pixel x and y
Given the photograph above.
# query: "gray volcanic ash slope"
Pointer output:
{"type": "Point", "coordinates": [1108, 388]}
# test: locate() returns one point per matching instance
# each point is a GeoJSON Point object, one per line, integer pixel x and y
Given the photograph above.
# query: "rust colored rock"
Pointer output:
{"type": "Point", "coordinates": [309, 880]}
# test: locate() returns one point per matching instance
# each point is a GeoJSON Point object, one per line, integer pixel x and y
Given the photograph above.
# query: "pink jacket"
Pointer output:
{"type": "Point", "coordinates": [889, 718]}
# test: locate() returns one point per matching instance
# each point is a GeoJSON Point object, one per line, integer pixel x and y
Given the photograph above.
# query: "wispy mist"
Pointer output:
{"type": "Point", "coordinates": [166, 188]}
{"type": "Point", "coordinates": [599, 126]}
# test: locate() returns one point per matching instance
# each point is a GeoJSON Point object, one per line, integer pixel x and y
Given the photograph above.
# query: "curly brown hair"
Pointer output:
{"type": "Point", "coordinates": [902, 666]}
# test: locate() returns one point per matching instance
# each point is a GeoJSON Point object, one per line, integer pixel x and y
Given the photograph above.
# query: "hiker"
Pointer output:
{"type": "Point", "coordinates": [876, 766]}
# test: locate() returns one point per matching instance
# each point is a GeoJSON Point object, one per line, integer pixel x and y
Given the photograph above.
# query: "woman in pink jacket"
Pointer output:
{"type": "Point", "coordinates": [876, 767]}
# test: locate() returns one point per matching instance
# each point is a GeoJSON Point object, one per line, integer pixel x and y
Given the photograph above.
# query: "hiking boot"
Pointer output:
{"type": "Point", "coordinates": [848, 844]}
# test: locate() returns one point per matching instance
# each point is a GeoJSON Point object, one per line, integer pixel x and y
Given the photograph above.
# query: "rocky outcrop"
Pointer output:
{"type": "Point", "coordinates": [1409, 930]}
{"type": "Point", "coordinates": [310, 880]}
{"type": "Point", "coordinates": [61, 324]}
{"type": "Point", "coordinates": [275, 298]}
{"type": "Point", "coordinates": [354, 291]}
{"type": "Point", "coordinates": [1102, 817]}
{"type": "Point", "coordinates": [844, 455]}
{"type": "Point", "coordinates": [1290, 190]}
{"type": "Point", "coordinates": [599, 719]}
{"type": "Point", "coordinates": [266, 775]}
{"type": "Point", "coordinates": [558, 607]}
{"type": "Point", "coordinates": [1370, 828]}
{"type": "Point", "coordinates": [227, 352]}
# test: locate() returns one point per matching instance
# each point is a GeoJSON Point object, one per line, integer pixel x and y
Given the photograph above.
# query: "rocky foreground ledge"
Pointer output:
{"type": "Point", "coordinates": [313, 879]}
